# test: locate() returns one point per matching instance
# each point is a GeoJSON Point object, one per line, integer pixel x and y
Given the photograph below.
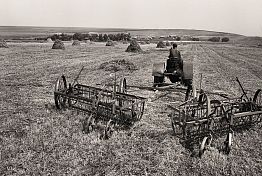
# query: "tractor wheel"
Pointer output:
{"type": "Point", "coordinates": [158, 80]}
{"type": "Point", "coordinates": [188, 83]}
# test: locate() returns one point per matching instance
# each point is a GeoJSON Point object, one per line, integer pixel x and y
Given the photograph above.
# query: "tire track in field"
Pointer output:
{"type": "Point", "coordinates": [249, 73]}
{"type": "Point", "coordinates": [242, 59]}
{"type": "Point", "coordinates": [217, 74]}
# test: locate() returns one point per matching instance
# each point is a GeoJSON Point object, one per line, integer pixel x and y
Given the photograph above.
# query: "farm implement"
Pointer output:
{"type": "Point", "coordinates": [113, 107]}
{"type": "Point", "coordinates": [200, 121]}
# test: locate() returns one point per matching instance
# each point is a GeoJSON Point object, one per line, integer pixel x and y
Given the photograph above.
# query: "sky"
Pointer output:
{"type": "Point", "coordinates": [234, 16]}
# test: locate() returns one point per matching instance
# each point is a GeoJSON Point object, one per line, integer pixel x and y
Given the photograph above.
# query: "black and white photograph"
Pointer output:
{"type": "Point", "coordinates": [130, 87]}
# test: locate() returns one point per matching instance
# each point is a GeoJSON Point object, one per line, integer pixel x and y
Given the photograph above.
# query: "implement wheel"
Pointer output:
{"type": "Point", "coordinates": [158, 80]}
{"type": "Point", "coordinates": [60, 86]}
{"type": "Point", "coordinates": [109, 129]}
{"type": "Point", "coordinates": [258, 98]}
{"type": "Point", "coordinates": [204, 145]}
{"type": "Point", "coordinates": [88, 125]}
{"type": "Point", "coordinates": [122, 86]}
{"type": "Point", "coordinates": [228, 143]}
{"type": "Point", "coordinates": [176, 128]}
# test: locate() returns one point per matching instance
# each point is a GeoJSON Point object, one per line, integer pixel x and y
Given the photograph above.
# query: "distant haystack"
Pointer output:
{"type": "Point", "coordinates": [168, 43]}
{"type": "Point", "coordinates": [225, 39]}
{"type": "Point", "coordinates": [160, 44]}
{"type": "Point", "coordinates": [58, 44]}
{"type": "Point", "coordinates": [134, 47]}
{"type": "Point", "coordinates": [76, 43]}
{"type": "Point", "coordinates": [142, 42]}
{"type": "Point", "coordinates": [147, 42]}
{"type": "Point", "coordinates": [3, 44]}
{"type": "Point", "coordinates": [110, 43]}
{"type": "Point", "coordinates": [49, 40]}
{"type": "Point", "coordinates": [86, 40]}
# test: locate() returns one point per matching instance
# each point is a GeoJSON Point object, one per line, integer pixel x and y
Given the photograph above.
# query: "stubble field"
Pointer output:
{"type": "Point", "coordinates": [37, 139]}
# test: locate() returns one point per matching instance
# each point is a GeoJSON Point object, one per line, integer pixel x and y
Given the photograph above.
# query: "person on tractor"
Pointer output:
{"type": "Point", "coordinates": [174, 65]}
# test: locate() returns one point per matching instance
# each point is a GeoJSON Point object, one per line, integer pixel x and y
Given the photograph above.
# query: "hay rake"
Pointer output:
{"type": "Point", "coordinates": [113, 107]}
{"type": "Point", "coordinates": [203, 120]}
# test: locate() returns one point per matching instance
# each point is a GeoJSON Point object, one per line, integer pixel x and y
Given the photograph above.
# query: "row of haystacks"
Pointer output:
{"type": "Point", "coordinates": [58, 44]}
{"type": "Point", "coordinates": [118, 65]}
{"type": "Point", "coordinates": [133, 46]}
{"type": "Point", "coordinates": [3, 44]}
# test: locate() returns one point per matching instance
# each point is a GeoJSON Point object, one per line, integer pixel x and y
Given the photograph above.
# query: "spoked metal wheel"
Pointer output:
{"type": "Point", "coordinates": [109, 129]}
{"type": "Point", "coordinates": [61, 87]}
{"type": "Point", "coordinates": [228, 143]}
{"type": "Point", "coordinates": [122, 86]}
{"type": "Point", "coordinates": [176, 128]}
{"type": "Point", "coordinates": [257, 99]}
{"type": "Point", "coordinates": [205, 144]}
{"type": "Point", "coordinates": [88, 125]}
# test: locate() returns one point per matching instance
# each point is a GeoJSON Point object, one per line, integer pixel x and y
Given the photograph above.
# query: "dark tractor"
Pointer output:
{"type": "Point", "coordinates": [176, 70]}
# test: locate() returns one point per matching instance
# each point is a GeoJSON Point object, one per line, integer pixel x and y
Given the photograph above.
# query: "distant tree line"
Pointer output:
{"type": "Point", "coordinates": [92, 37]}
{"type": "Point", "coordinates": [217, 39]}
{"type": "Point", "coordinates": [102, 37]}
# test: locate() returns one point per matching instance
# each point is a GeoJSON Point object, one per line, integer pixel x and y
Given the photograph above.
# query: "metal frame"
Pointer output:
{"type": "Point", "coordinates": [115, 107]}
{"type": "Point", "coordinates": [205, 119]}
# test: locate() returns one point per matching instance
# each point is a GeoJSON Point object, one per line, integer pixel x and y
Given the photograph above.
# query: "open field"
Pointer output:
{"type": "Point", "coordinates": [36, 139]}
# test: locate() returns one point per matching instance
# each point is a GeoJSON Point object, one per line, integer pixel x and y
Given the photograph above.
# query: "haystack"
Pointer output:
{"type": "Point", "coordinates": [49, 40]}
{"type": "Point", "coordinates": [134, 47]}
{"type": "Point", "coordinates": [58, 44]}
{"type": "Point", "coordinates": [142, 42]}
{"type": "Point", "coordinates": [110, 43]}
{"type": "Point", "coordinates": [3, 44]}
{"type": "Point", "coordinates": [76, 43]}
{"type": "Point", "coordinates": [160, 44]}
{"type": "Point", "coordinates": [118, 65]}
{"type": "Point", "coordinates": [168, 43]}
{"type": "Point", "coordinates": [147, 42]}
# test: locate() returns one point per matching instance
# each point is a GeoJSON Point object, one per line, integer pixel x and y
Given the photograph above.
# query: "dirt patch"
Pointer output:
{"type": "Point", "coordinates": [117, 65]}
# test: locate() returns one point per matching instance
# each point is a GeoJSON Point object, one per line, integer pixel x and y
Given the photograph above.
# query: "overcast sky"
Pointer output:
{"type": "Point", "coordinates": [236, 16]}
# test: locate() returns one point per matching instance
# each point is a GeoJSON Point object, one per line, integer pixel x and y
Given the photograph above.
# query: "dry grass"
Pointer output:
{"type": "Point", "coordinates": [36, 139]}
